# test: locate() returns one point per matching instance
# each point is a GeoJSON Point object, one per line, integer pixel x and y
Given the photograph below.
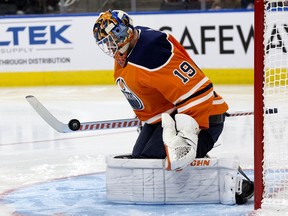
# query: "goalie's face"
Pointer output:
{"type": "Point", "coordinates": [108, 45]}
{"type": "Point", "coordinates": [113, 32]}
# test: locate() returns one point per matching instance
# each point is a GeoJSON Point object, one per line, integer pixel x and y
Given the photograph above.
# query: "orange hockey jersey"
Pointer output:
{"type": "Point", "coordinates": [161, 77]}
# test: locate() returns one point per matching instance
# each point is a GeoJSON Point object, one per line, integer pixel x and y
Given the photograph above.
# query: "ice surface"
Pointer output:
{"type": "Point", "coordinates": [43, 172]}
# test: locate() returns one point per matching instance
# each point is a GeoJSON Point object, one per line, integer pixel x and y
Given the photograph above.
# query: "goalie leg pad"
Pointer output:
{"type": "Point", "coordinates": [145, 181]}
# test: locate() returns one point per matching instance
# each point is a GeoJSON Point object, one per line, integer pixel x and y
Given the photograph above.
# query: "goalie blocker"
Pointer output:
{"type": "Point", "coordinates": [145, 181]}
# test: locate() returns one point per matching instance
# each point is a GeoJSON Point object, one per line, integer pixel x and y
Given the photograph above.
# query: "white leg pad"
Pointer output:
{"type": "Point", "coordinates": [145, 181]}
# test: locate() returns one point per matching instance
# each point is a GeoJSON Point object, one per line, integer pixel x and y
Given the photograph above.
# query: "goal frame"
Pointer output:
{"type": "Point", "coordinates": [258, 101]}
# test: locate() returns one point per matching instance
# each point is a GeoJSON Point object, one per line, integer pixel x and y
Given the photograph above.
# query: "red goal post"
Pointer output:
{"type": "Point", "coordinates": [271, 90]}
{"type": "Point", "coordinates": [258, 99]}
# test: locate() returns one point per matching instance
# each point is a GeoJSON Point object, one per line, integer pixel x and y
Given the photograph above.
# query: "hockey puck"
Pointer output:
{"type": "Point", "coordinates": [74, 124]}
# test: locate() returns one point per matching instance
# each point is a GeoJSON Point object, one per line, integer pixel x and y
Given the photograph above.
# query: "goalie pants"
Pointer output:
{"type": "Point", "coordinates": [150, 143]}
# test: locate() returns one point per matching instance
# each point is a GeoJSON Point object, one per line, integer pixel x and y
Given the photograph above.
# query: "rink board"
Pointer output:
{"type": "Point", "coordinates": [61, 49]}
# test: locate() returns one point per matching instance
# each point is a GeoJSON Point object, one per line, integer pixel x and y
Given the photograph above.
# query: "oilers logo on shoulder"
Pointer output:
{"type": "Point", "coordinates": [132, 98]}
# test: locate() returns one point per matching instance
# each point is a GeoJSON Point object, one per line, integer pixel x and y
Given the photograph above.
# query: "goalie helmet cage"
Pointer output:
{"type": "Point", "coordinates": [271, 90]}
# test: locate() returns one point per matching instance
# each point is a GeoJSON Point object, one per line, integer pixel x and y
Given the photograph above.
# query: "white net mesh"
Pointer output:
{"type": "Point", "coordinates": [275, 169]}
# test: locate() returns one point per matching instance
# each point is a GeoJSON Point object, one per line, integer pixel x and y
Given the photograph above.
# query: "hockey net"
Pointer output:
{"type": "Point", "coordinates": [271, 130]}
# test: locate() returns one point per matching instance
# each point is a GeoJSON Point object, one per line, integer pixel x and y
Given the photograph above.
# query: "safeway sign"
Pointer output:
{"type": "Point", "coordinates": [66, 43]}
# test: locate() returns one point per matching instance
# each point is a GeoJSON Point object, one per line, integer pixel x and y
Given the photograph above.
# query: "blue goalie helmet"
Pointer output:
{"type": "Point", "coordinates": [113, 31]}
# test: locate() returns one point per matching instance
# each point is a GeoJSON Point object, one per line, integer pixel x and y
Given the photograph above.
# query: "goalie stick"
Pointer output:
{"type": "Point", "coordinates": [267, 111]}
{"type": "Point", "coordinates": [74, 125]}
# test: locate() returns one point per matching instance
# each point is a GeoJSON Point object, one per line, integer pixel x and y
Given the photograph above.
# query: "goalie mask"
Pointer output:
{"type": "Point", "coordinates": [114, 32]}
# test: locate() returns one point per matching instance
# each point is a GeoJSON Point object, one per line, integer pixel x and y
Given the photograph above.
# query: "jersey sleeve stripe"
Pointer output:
{"type": "Point", "coordinates": [217, 102]}
{"type": "Point", "coordinates": [192, 91]}
{"type": "Point", "coordinates": [196, 102]}
{"type": "Point", "coordinates": [207, 88]}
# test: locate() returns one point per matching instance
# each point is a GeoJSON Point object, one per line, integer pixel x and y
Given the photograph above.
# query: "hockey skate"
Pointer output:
{"type": "Point", "coordinates": [125, 156]}
{"type": "Point", "coordinates": [247, 192]}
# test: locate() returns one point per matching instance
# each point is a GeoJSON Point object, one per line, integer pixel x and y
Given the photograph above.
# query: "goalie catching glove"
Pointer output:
{"type": "Point", "coordinates": [180, 141]}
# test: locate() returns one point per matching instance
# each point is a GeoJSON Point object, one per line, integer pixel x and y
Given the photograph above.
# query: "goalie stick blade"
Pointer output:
{"type": "Point", "coordinates": [74, 125]}
{"type": "Point", "coordinates": [47, 116]}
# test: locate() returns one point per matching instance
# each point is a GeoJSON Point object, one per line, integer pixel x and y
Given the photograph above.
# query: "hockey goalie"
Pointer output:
{"type": "Point", "coordinates": [182, 117]}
